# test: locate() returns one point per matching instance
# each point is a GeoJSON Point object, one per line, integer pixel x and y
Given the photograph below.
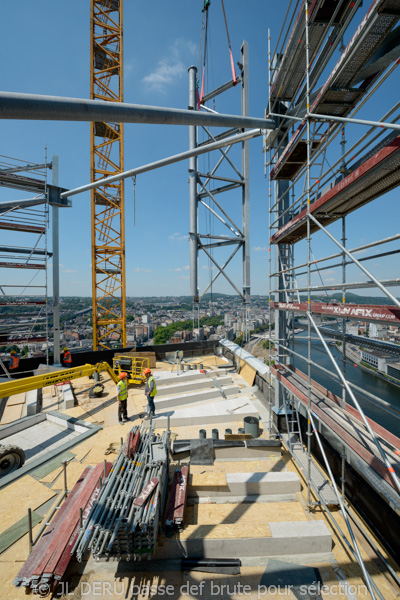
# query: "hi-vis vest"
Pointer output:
{"type": "Point", "coordinates": [122, 390]}
{"type": "Point", "coordinates": [67, 357]}
{"type": "Point", "coordinates": [14, 361]}
{"type": "Point", "coordinates": [154, 392]}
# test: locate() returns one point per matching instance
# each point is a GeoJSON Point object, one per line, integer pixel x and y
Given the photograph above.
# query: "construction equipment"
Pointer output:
{"type": "Point", "coordinates": [131, 365]}
{"type": "Point", "coordinates": [17, 386]}
{"type": "Point", "coordinates": [125, 519]}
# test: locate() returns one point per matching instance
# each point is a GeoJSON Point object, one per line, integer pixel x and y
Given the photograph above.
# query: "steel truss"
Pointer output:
{"type": "Point", "coordinates": [237, 235]}
{"type": "Point", "coordinates": [107, 159]}
{"type": "Point", "coordinates": [293, 217]}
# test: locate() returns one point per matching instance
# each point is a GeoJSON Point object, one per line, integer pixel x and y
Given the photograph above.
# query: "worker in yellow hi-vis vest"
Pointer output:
{"type": "Point", "coordinates": [150, 391]}
{"type": "Point", "coordinates": [122, 396]}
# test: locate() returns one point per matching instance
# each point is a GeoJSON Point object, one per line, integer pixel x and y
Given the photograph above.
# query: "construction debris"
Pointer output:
{"type": "Point", "coordinates": [125, 519]}
{"type": "Point", "coordinates": [50, 557]}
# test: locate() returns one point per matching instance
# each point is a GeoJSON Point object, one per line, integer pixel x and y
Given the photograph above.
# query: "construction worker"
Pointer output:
{"type": "Point", "coordinates": [14, 360]}
{"type": "Point", "coordinates": [150, 391]}
{"type": "Point", "coordinates": [122, 396]}
{"type": "Point", "coordinates": [67, 358]}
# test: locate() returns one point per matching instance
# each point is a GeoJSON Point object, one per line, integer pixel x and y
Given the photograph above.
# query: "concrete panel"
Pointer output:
{"type": "Point", "coordinates": [68, 396]}
{"type": "Point", "coordinates": [197, 384]}
{"type": "Point", "coordinates": [294, 537]}
{"type": "Point", "coordinates": [241, 484]}
{"type": "Point", "coordinates": [168, 378]}
{"type": "Point", "coordinates": [192, 397]}
{"type": "Point", "coordinates": [31, 403]}
{"type": "Point", "coordinates": [227, 411]}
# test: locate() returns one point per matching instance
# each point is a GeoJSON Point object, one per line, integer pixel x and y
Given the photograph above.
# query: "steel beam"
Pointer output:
{"type": "Point", "coordinates": [165, 161]}
{"type": "Point", "coordinates": [56, 268]}
{"type": "Point", "coordinates": [34, 107]}
{"type": "Point", "coordinates": [193, 202]}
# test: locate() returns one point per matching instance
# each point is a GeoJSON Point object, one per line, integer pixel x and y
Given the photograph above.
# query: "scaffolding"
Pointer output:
{"type": "Point", "coordinates": [24, 303]}
{"type": "Point", "coordinates": [306, 195]}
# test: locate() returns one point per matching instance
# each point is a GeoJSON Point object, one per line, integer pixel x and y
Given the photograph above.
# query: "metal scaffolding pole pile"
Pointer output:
{"type": "Point", "coordinates": [125, 519]}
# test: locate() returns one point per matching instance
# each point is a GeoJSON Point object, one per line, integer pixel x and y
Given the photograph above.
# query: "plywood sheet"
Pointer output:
{"type": "Point", "coordinates": [16, 399]}
{"type": "Point", "coordinates": [247, 372]}
{"type": "Point", "coordinates": [206, 479]}
{"type": "Point", "coordinates": [251, 466]}
{"type": "Point", "coordinates": [17, 497]}
{"type": "Point", "coordinates": [49, 466]}
{"type": "Point", "coordinates": [226, 531]}
{"type": "Point", "coordinates": [52, 476]}
{"type": "Point", "coordinates": [17, 531]}
{"type": "Point", "coordinates": [11, 414]}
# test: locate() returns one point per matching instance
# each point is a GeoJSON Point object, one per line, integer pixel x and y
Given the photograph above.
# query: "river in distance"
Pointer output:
{"type": "Point", "coordinates": [364, 380]}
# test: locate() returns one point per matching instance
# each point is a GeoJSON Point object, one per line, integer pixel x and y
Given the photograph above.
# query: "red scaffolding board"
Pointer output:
{"type": "Point", "coordinates": [365, 312]}
{"type": "Point", "coordinates": [376, 176]}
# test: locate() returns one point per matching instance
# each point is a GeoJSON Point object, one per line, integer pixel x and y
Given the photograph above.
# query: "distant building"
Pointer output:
{"type": "Point", "coordinates": [377, 359]}
{"type": "Point", "coordinates": [352, 329]}
{"type": "Point", "coordinates": [376, 331]}
{"type": "Point", "coordinates": [146, 318]}
{"type": "Point", "coordinates": [393, 370]}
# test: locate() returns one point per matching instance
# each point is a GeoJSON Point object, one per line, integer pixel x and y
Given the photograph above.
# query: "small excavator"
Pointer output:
{"type": "Point", "coordinates": [12, 457]}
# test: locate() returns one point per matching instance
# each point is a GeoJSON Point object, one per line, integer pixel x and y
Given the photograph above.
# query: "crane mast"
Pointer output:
{"type": "Point", "coordinates": [107, 158]}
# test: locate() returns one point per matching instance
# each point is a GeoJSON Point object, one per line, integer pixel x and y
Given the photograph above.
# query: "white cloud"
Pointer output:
{"type": "Point", "coordinates": [185, 268]}
{"type": "Point", "coordinates": [69, 271]}
{"type": "Point", "coordinates": [141, 270]}
{"type": "Point", "coordinates": [330, 279]}
{"type": "Point", "coordinates": [186, 277]}
{"type": "Point", "coordinates": [260, 248]}
{"type": "Point", "coordinates": [171, 67]}
{"type": "Point", "coordinates": [177, 237]}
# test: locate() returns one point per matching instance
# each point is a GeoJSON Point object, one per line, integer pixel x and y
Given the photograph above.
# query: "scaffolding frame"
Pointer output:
{"type": "Point", "coordinates": [29, 215]}
{"type": "Point", "coordinates": [237, 235]}
{"type": "Point", "coordinates": [282, 212]}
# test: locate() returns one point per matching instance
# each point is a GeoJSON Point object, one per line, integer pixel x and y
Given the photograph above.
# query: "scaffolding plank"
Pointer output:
{"type": "Point", "coordinates": [292, 68]}
{"type": "Point", "coordinates": [27, 265]}
{"type": "Point", "coordinates": [342, 422]}
{"type": "Point", "coordinates": [367, 181]}
{"type": "Point", "coordinates": [337, 97]}
{"type": "Point", "coordinates": [22, 227]}
{"type": "Point", "coordinates": [365, 312]}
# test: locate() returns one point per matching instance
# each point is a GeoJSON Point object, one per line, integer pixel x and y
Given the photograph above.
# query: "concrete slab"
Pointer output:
{"type": "Point", "coordinates": [192, 397]}
{"type": "Point", "coordinates": [226, 411]}
{"type": "Point", "coordinates": [263, 483]}
{"type": "Point", "coordinates": [191, 386]}
{"type": "Point", "coordinates": [285, 538]}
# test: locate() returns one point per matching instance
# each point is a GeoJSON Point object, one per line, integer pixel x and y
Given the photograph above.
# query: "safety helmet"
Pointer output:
{"type": "Point", "coordinates": [147, 371]}
{"type": "Point", "coordinates": [123, 374]}
{"type": "Point", "coordinates": [13, 352]}
{"type": "Point", "coordinates": [65, 349]}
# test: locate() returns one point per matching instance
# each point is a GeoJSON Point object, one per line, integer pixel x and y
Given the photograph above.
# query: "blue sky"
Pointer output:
{"type": "Point", "coordinates": [45, 50]}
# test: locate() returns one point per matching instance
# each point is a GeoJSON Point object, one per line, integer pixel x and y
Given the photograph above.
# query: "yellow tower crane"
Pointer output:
{"type": "Point", "coordinates": [107, 158]}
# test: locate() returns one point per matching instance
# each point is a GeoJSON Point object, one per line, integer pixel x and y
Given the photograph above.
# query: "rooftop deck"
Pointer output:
{"type": "Point", "coordinates": [249, 504]}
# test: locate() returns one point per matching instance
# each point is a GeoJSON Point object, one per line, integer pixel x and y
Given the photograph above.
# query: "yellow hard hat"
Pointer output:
{"type": "Point", "coordinates": [13, 352]}
{"type": "Point", "coordinates": [65, 348]}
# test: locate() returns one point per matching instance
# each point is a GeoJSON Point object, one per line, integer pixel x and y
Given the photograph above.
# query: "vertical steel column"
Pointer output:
{"type": "Point", "coordinates": [56, 268]}
{"type": "Point", "coordinates": [246, 184]}
{"type": "Point", "coordinates": [194, 281]}
{"type": "Point", "coordinates": [309, 411]}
